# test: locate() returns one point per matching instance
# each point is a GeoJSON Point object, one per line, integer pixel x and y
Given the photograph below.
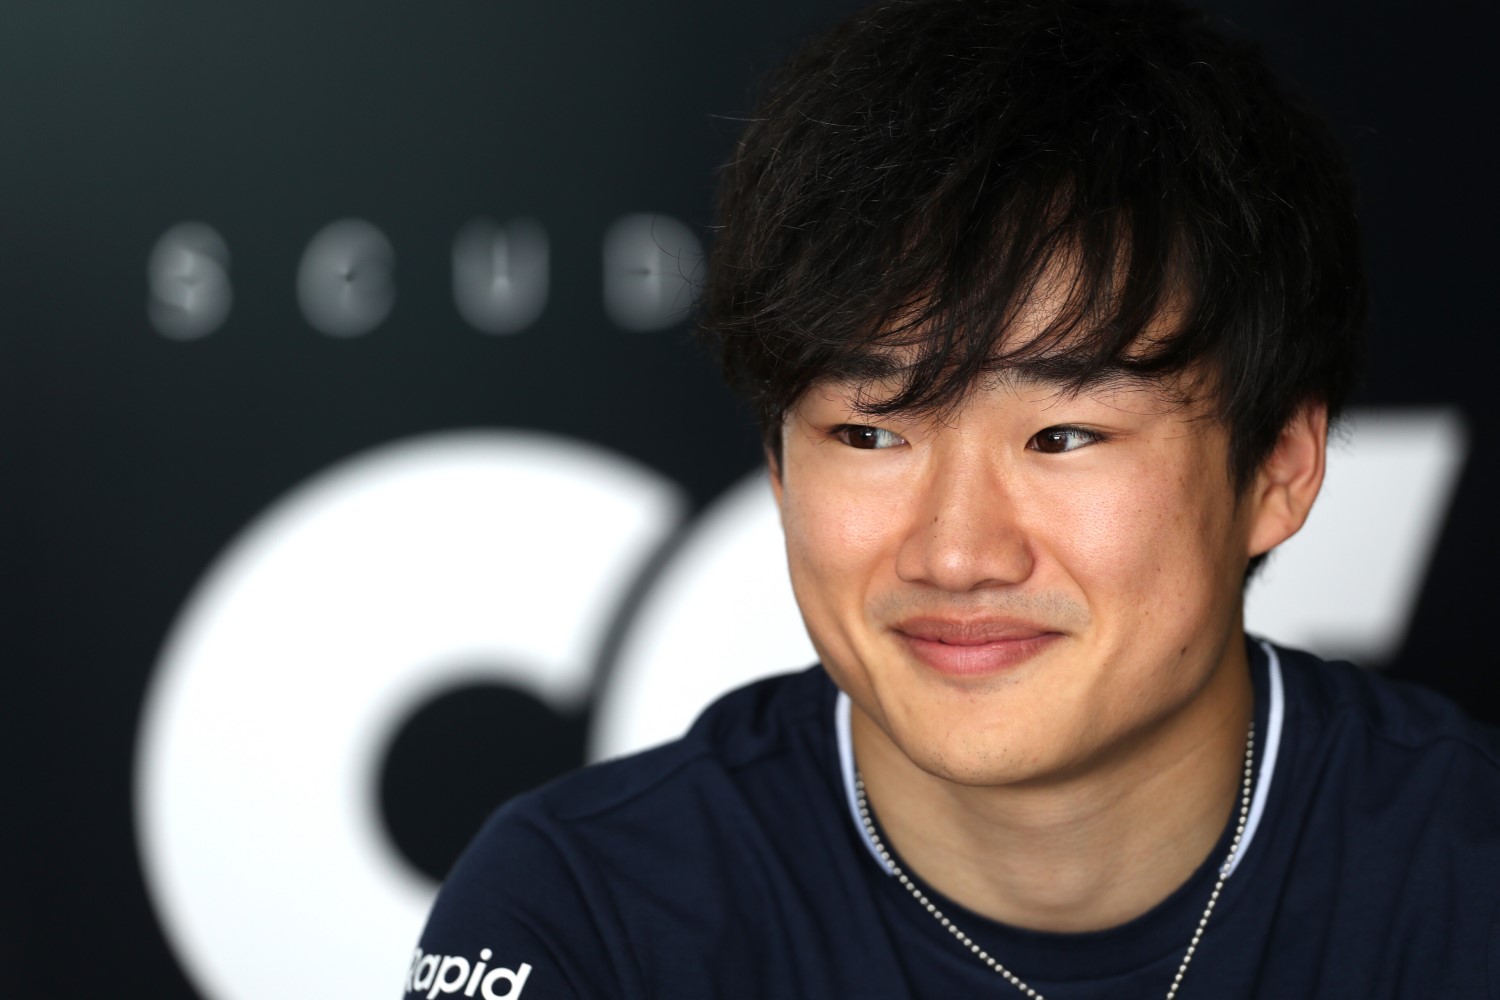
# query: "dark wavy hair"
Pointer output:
{"type": "Point", "coordinates": [916, 176]}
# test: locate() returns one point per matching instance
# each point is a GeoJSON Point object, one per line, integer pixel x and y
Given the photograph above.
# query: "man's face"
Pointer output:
{"type": "Point", "coordinates": [1012, 590]}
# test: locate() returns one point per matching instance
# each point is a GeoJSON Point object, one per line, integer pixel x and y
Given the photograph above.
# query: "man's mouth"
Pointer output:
{"type": "Point", "coordinates": [974, 647]}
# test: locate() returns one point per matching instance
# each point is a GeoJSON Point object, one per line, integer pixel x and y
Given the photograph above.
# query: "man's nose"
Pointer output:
{"type": "Point", "coordinates": [964, 531]}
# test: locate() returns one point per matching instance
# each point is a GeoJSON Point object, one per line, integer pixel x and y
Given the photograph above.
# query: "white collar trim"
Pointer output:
{"type": "Point", "coordinates": [1275, 716]}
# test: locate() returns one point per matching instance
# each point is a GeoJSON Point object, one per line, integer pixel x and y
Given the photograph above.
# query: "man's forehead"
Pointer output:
{"type": "Point", "coordinates": [1047, 341]}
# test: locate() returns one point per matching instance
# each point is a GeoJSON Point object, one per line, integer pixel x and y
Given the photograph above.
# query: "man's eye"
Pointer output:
{"type": "Point", "coordinates": [860, 436]}
{"type": "Point", "coordinates": [1056, 440]}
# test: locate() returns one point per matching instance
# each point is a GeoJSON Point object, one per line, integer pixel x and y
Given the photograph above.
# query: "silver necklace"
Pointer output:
{"type": "Point", "coordinates": [1246, 787]}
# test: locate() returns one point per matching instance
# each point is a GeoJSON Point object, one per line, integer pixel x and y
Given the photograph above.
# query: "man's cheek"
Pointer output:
{"type": "Point", "coordinates": [1111, 538]}
{"type": "Point", "coordinates": [831, 539]}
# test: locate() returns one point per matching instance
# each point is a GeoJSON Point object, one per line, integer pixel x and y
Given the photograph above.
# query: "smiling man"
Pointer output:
{"type": "Point", "coordinates": [1045, 308]}
{"type": "Point", "coordinates": [1033, 605]}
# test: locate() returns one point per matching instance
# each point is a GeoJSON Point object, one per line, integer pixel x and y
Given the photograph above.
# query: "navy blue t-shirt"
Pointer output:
{"type": "Point", "coordinates": [728, 864]}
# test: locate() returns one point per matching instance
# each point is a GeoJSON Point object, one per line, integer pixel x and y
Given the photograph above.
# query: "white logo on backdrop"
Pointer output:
{"type": "Point", "coordinates": [650, 263]}
{"type": "Point", "coordinates": [357, 598]}
{"type": "Point", "coordinates": [344, 283]}
{"type": "Point", "coordinates": [188, 275]}
{"type": "Point", "coordinates": [384, 580]}
{"type": "Point", "coordinates": [501, 276]}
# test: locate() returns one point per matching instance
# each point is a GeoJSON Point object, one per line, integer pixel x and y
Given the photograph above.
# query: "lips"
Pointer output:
{"type": "Point", "coordinates": [974, 647]}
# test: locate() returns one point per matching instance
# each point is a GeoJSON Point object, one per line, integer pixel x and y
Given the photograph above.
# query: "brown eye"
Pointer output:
{"type": "Point", "coordinates": [1056, 440]}
{"type": "Point", "coordinates": [868, 438]}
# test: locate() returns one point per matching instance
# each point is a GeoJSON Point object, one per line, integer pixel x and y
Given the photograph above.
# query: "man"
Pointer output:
{"type": "Point", "coordinates": [1045, 308]}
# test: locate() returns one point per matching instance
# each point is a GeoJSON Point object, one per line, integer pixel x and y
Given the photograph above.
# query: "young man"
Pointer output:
{"type": "Point", "coordinates": [1045, 308]}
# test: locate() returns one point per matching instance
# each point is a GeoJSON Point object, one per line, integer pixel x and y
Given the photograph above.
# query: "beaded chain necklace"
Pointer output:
{"type": "Point", "coordinates": [1246, 788]}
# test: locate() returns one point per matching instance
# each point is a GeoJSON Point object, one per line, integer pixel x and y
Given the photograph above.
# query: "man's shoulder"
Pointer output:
{"type": "Point", "coordinates": [580, 877]}
{"type": "Point", "coordinates": [1346, 700]}
{"type": "Point", "coordinates": [1408, 765]}
{"type": "Point", "coordinates": [1383, 824]}
{"type": "Point", "coordinates": [757, 724]}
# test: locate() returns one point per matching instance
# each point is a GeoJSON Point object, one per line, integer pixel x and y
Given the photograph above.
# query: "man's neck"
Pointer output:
{"type": "Point", "coordinates": [1083, 852]}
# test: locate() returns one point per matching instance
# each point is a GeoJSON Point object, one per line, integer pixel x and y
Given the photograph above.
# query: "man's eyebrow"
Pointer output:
{"type": "Point", "coordinates": [868, 376]}
{"type": "Point", "coordinates": [1075, 377]}
{"type": "Point", "coordinates": [879, 382]}
{"type": "Point", "coordinates": [872, 366]}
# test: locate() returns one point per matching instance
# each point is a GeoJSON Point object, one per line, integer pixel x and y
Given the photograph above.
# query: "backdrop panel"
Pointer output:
{"type": "Point", "coordinates": [362, 471]}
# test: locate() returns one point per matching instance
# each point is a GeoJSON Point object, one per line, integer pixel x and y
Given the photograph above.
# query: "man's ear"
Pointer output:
{"type": "Point", "coordinates": [1288, 480]}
